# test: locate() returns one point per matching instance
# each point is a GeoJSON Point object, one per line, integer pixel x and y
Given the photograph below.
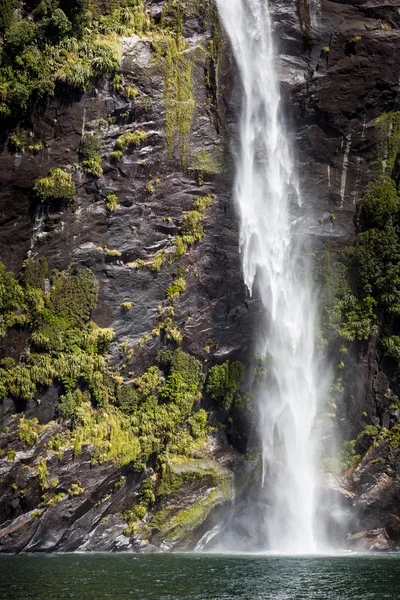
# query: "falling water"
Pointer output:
{"type": "Point", "coordinates": [275, 265]}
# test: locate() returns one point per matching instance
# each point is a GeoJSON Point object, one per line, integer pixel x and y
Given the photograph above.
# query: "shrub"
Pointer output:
{"type": "Point", "coordinates": [116, 155]}
{"type": "Point", "coordinates": [111, 202]}
{"type": "Point", "coordinates": [58, 185]}
{"type": "Point", "coordinates": [176, 289]}
{"type": "Point", "coordinates": [18, 36]}
{"type": "Point", "coordinates": [76, 489]}
{"type": "Point", "coordinates": [197, 423]}
{"type": "Point", "coordinates": [90, 151]}
{"type": "Point", "coordinates": [28, 431]}
{"type": "Point", "coordinates": [42, 472]}
{"type": "Point", "coordinates": [73, 295]}
{"type": "Point", "coordinates": [223, 382]}
{"type": "Point", "coordinates": [34, 273]}
{"type": "Point", "coordinates": [128, 399]}
{"type": "Point", "coordinates": [130, 92]}
{"type": "Point", "coordinates": [158, 261]}
{"type": "Point", "coordinates": [59, 25]}
{"type": "Point", "coordinates": [106, 56]}
{"type": "Point", "coordinates": [36, 148]}
{"type": "Point", "coordinates": [192, 228]}
{"type": "Point", "coordinates": [92, 167]}
{"type": "Point", "coordinates": [6, 14]}
{"type": "Point", "coordinates": [391, 345]}
{"type": "Point", "coordinates": [16, 142]}
{"type": "Point", "coordinates": [11, 298]}
{"type": "Point", "coordinates": [379, 206]}
{"type": "Point", "coordinates": [71, 403]}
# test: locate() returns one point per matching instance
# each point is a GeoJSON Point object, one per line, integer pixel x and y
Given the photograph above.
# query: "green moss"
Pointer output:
{"type": "Point", "coordinates": [113, 252]}
{"type": "Point", "coordinates": [146, 498]}
{"type": "Point", "coordinates": [130, 139]}
{"type": "Point", "coordinates": [178, 94]}
{"type": "Point", "coordinates": [58, 185]}
{"type": "Point", "coordinates": [212, 484]}
{"type": "Point", "coordinates": [204, 162]}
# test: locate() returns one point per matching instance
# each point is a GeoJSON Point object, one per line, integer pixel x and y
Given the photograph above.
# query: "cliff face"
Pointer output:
{"type": "Point", "coordinates": [339, 74]}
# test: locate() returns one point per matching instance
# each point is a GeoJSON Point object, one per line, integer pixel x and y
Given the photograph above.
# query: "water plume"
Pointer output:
{"type": "Point", "coordinates": [275, 265]}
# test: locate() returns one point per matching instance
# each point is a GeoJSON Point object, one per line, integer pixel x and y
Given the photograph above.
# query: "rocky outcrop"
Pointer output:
{"type": "Point", "coordinates": [339, 72]}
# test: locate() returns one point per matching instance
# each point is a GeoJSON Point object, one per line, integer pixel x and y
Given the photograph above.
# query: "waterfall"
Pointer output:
{"type": "Point", "coordinates": [275, 266]}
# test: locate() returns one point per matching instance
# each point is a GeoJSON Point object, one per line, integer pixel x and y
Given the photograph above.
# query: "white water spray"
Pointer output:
{"type": "Point", "coordinates": [271, 252]}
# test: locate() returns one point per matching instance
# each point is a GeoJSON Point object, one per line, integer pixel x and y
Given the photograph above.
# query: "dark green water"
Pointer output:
{"type": "Point", "coordinates": [199, 577]}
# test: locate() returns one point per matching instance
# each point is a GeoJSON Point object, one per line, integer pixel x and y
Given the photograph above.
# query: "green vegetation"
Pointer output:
{"type": "Point", "coordinates": [17, 141]}
{"type": "Point", "coordinates": [178, 286]}
{"type": "Point", "coordinates": [56, 498]}
{"type": "Point", "coordinates": [90, 151]}
{"type": "Point", "coordinates": [130, 139]}
{"type": "Point", "coordinates": [212, 484]}
{"type": "Point", "coordinates": [116, 155]}
{"type": "Point", "coordinates": [146, 497]}
{"type": "Point", "coordinates": [360, 285]}
{"type": "Point", "coordinates": [58, 185]}
{"type": "Point", "coordinates": [11, 455]}
{"type": "Point", "coordinates": [28, 431]}
{"type": "Point", "coordinates": [178, 95]}
{"type": "Point", "coordinates": [64, 345]}
{"type": "Point", "coordinates": [192, 226]}
{"type": "Point", "coordinates": [53, 45]}
{"type": "Point", "coordinates": [224, 381]}
{"type": "Point", "coordinates": [389, 126]}
{"type": "Point", "coordinates": [205, 163]}
{"type": "Point", "coordinates": [345, 459]}
{"type": "Point", "coordinates": [43, 473]}
{"type": "Point", "coordinates": [127, 306]}
{"type": "Point", "coordinates": [111, 202]}
{"type": "Point", "coordinates": [351, 44]}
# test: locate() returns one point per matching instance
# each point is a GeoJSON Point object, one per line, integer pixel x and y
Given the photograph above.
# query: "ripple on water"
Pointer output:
{"type": "Point", "coordinates": [199, 577]}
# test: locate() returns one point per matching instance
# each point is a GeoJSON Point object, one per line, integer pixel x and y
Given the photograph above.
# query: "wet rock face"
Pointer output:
{"type": "Point", "coordinates": [333, 90]}
{"type": "Point", "coordinates": [156, 184]}
{"type": "Point", "coordinates": [154, 191]}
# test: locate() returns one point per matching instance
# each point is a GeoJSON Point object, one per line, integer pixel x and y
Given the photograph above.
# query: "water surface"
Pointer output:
{"type": "Point", "coordinates": [199, 577]}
